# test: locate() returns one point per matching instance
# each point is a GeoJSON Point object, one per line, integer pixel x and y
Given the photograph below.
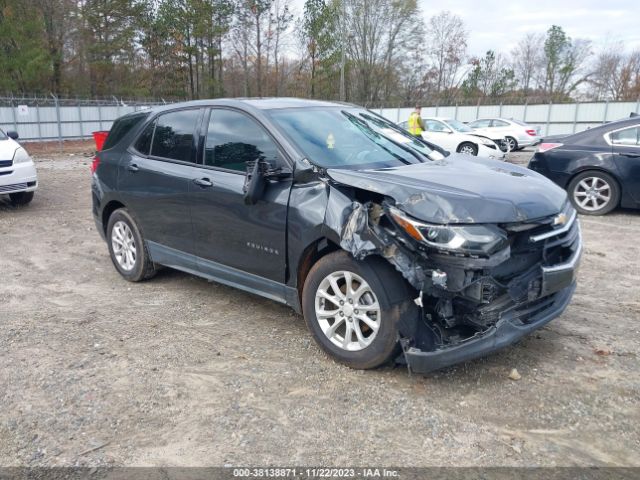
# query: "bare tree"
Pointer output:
{"type": "Point", "coordinates": [617, 74]}
{"type": "Point", "coordinates": [382, 30]}
{"type": "Point", "coordinates": [446, 47]}
{"type": "Point", "coordinates": [527, 60]}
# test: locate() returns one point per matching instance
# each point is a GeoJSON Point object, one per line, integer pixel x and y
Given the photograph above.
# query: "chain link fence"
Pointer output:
{"type": "Point", "coordinates": [46, 118]}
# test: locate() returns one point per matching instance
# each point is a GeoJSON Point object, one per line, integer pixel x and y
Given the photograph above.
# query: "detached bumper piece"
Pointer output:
{"type": "Point", "coordinates": [507, 330]}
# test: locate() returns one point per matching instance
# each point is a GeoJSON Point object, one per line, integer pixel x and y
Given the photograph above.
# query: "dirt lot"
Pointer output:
{"type": "Point", "coordinates": [180, 371]}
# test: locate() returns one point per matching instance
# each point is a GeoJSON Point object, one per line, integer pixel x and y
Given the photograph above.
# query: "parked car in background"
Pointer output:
{"type": "Point", "coordinates": [18, 177]}
{"type": "Point", "coordinates": [600, 167]}
{"type": "Point", "coordinates": [455, 136]}
{"type": "Point", "coordinates": [511, 134]}
{"type": "Point", "coordinates": [389, 249]}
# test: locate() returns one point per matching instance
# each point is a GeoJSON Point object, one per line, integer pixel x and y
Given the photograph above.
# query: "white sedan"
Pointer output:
{"type": "Point", "coordinates": [455, 136]}
{"type": "Point", "coordinates": [18, 177]}
{"type": "Point", "coordinates": [511, 134]}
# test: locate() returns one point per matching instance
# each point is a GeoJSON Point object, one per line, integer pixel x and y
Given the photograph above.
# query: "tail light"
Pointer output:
{"type": "Point", "coordinates": [545, 147]}
{"type": "Point", "coordinates": [94, 164]}
{"type": "Point", "coordinates": [531, 132]}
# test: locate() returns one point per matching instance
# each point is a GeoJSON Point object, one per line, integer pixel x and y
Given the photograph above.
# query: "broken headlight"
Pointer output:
{"type": "Point", "coordinates": [468, 239]}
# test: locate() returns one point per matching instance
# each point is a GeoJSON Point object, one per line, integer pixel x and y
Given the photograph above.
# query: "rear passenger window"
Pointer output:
{"type": "Point", "coordinates": [143, 144]}
{"type": "Point", "coordinates": [500, 123]}
{"type": "Point", "coordinates": [121, 127]}
{"type": "Point", "coordinates": [233, 139]}
{"type": "Point", "coordinates": [630, 136]}
{"type": "Point", "coordinates": [174, 135]}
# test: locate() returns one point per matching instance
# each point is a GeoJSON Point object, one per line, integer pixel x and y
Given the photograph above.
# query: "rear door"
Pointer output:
{"type": "Point", "coordinates": [154, 183]}
{"type": "Point", "coordinates": [228, 233]}
{"type": "Point", "coordinates": [625, 144]}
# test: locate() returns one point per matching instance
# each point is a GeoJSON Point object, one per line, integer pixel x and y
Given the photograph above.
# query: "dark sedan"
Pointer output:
{"type": "Point", "coordinates": [599, 168]}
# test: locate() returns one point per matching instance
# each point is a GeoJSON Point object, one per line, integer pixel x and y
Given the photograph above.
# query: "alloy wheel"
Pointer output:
{"type": "Point", "coordinates": [347, 310]}
{"type": "Point", "coordinates": [592, 194]}
{"type": "Point", "coordinates": [467, 150]}
{"type": "Point", "coordinates": [124, 245]}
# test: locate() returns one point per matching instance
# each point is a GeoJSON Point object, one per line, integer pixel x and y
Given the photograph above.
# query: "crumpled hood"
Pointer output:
{"type": "Point", "coordinates": [460, 189]}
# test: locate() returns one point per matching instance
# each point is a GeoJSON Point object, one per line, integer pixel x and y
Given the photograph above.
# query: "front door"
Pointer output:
{"type": "Point", "coordinates": [154, 182]}
{"type": "Point", "coordinates": [247, 238]}
{"type": "Point", "coordinates": [438, 133]}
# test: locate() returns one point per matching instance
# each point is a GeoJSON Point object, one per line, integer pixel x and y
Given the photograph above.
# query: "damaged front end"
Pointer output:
{"type": "Point", "coordinates": [480, 286]}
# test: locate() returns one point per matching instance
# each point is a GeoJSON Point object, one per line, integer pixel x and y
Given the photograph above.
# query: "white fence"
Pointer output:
{"type": "Point", "coordinates": [553, 119]}
{"type": "Point", "coordinates": [55, 121]}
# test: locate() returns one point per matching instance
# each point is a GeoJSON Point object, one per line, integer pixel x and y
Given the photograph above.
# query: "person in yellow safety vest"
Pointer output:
{"type": "Point", "coordinates": [415, 122]}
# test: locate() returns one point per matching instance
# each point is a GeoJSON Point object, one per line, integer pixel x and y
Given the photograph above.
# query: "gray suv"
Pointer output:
{"type": "Point", "coordinates": [390, 249]}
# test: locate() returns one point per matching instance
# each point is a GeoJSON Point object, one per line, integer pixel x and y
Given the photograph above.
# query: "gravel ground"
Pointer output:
{"type": "Point", "coordinates": [179, 371]}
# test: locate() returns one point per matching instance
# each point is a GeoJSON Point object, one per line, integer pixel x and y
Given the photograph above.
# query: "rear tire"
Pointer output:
{"type": "Point", "coordinates": [378, 294]}
{"type": "Point", "coordinates": [21, 198]}
{"type": "Point", "coordinates": [127, 248]}
{"type": "Point", "coordinates": [594, 193]}
{"type": "Point", "coordinates": [468, 148]}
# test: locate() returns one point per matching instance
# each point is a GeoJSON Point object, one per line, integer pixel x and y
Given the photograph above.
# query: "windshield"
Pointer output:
{"type": "Point", "coordinates": [459, 126]}
{"type": "Point", "coordinates": [3, 136]}
{"type": "Point", "coordinates": [351, 138]}
{"type": "Point", "coordinates": [518, 122]}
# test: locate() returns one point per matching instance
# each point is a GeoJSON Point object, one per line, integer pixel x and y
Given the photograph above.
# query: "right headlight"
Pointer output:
{"type": "Point", "coordinates": [21, 156]}
{"type": "Point", "coordinates": [466, 239]}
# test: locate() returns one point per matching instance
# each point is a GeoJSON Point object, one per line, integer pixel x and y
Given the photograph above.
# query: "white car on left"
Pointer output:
{"type": "Point", "coordinates": [18, 177]}
{"type": "Point", "coordinates": [455, 136]}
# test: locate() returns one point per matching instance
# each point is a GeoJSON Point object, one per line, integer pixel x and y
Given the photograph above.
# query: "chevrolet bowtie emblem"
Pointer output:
{"type": "Point", "coordinates": [560, 219]}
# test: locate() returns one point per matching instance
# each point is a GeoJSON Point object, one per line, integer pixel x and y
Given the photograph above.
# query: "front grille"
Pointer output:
{"type": "Point", "coordinates": [11, 188]}
{"type": "Point", "coordinates": [6, 163]}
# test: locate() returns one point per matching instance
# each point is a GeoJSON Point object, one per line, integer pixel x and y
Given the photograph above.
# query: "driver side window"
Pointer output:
{"type": "Point", "coordinates": [233, 139]}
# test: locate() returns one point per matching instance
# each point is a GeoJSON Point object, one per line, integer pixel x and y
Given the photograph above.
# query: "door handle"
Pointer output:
{"type": "Point", "coordinates": [203, 182]}
{"type": "Point", "coordinates": [630, 155]}
{"type": "Point", "coordinates": [132, 167]}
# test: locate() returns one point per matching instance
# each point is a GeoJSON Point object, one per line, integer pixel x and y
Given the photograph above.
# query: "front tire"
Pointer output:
{"type": "Point", "coordinates": [21, 198]}
{"type": "Point", "coordinates": [353, 308]}
{"type": "Point", "coordinates": [509, 144]}
{"type": "Point", "coordinates": [127, 248]}
{"type": "Point", "coordinates": [468, 148]}
{"type": "Point", "coordinates": [594, 193]}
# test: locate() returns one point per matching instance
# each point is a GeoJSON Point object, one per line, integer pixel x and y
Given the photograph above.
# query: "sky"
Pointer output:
{"type": "Point", "coordinates": [499, 24]}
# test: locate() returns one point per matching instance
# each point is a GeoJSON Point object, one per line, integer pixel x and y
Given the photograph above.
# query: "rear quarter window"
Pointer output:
{"type": "Point", "coordinates": [121, 127]}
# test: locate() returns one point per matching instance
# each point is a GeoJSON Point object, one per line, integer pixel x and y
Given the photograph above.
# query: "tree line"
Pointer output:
{"type": "Point", "coordinates": [373, 52]}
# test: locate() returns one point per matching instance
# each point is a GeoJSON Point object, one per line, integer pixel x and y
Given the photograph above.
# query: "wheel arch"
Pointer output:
{"type": "Point", "coordinates": [475, 144]}
{"type": "Point", "coordinates": [310, 256]}
{"type": "Point", "coordinates": [593, 168]}
{"type": "Point", "coordinates": [107, 211]}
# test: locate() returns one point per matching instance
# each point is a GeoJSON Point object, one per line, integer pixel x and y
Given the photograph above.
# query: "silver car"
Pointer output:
{"type": "Point", "coordinates": [509, 133]}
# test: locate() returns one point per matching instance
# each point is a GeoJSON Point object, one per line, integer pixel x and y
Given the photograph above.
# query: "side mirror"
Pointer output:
{"type": "Point", "coordinates": [13, 134]}
{"type": "Point", "coordinates": [254, 182]}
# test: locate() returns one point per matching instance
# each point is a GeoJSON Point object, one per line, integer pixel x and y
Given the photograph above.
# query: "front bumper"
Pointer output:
{"type": "Point", "coordinates": [507, 331]}
{"type": "Point", "coordinates": [529, 141]}
{"type": "Point", "coordinates": [487, 152]}
{"type": "Point", "coordinates": [21, 177]}
{"type": "Point", "coordinates": [557, 285]}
